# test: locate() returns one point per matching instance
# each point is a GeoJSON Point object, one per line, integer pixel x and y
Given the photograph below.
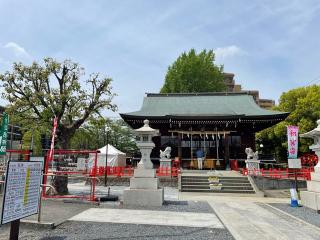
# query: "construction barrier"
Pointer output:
{"type": "Point", "coordinates": [303, 173]}
{"type": "Point", "coordinates": [128, 171]}
{"type": "Point", "coordinates": [65, 163]}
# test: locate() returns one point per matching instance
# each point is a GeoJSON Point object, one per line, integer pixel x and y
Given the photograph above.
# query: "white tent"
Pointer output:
{"type": "Point", "coordinates": [115, 157]}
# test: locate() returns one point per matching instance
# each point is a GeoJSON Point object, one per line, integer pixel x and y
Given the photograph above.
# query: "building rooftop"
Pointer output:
{"type": "Point", "coordinates": [213, 105]}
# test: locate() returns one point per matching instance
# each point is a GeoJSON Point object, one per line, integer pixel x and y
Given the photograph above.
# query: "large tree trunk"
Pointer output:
{"type": "Point", "coordinates": [60, 182]}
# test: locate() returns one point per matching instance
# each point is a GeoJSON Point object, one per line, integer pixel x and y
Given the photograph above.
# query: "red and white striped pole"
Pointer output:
{"type": "Point", "coordinates": [50, 154]}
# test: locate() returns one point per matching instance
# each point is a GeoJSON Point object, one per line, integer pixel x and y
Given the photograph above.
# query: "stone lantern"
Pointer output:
{"type": "Point", "coordinates": [144, 185]}
{"type": "Point", "coordinates": [311, 198]}
{"type": "Point", "coordinates": [145, 144]}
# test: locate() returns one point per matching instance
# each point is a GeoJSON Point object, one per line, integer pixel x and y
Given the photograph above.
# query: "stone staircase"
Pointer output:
{"type": "Point", "coordinates": [229, 184]}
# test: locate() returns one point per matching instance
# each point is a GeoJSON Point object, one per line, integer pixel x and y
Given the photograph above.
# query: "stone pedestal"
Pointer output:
{"type": "Point", "coordinates": [311, 198]}
{"type": "Point", "coordinates": [253, 166]}
{"type": "Point", "coordinates": [144, 189]}
{"type": "Point", "coordinates": [165, 163]}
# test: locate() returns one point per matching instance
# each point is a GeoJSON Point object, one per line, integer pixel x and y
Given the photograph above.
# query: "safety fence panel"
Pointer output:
{"type": "Point", "coordinates": [168, 172]}
{"type": "Point", "coordinates": [128, 171]}
{"type": "Point", "coordinates": [303, 173]}
{"type": "Point", "coordinates": [71, 167]}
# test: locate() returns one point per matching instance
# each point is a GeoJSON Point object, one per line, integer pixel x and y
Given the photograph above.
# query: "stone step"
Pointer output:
{"type": "Point", "coordinates": [223, 187]}
{"type": "Point", "coordinates": [205, 177]}
{"type": "Point", "coordinates": [223, 183]}
{"type": "Point", "coordinates": [238, 184]}
{"type": "Point", "coordinates": [219, 191]}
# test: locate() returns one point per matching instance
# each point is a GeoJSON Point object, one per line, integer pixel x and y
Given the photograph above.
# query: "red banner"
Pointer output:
{"type": "Point", "coordinates": [55, 124]}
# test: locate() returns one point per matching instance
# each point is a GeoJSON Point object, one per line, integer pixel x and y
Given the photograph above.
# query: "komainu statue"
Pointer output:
{"type": "Point", "coordinates": [166, 153]}
{"type": "Point", "coordinates": [251, 154]}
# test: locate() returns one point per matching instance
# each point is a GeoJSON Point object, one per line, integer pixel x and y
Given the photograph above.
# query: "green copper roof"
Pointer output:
{"type": "Point", "coordinates": [210, 105]}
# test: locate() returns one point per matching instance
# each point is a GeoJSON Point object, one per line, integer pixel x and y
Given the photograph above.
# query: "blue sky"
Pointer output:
{"type": "Point", "coordinates": [271, 46]}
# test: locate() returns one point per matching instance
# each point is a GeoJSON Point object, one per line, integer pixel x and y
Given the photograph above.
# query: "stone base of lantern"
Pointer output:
{"type": "Point", "coordinates": [311, 198]}
{"type": "Point", "coordinates": [144, 189]}
{"type": "Point", "coordinates": [143, 197]}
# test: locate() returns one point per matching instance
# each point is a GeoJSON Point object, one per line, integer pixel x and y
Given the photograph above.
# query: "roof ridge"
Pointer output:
{"type": "Point", "coordinates": [196, 94]}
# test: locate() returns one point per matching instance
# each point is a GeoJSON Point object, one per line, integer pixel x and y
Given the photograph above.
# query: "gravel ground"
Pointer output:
{"type": "Point", "coordinates": [307, 214]}
{"type": "Point", "coordinates": [56, 211]}
{"type": "Point", "coordinates": [94, 231]}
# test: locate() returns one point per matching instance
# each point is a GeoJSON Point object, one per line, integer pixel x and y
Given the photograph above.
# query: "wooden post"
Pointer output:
{"type": "Point", "coordinates": [179, 146]}
{"type": "Point", "coordinates": [191, 152]}
{"type": "Point", "coordinates": [14, 230]}
{"type": "Point", "coordinates": [226, 150]}
{"type": "Point", "coordinates": [296, 180]}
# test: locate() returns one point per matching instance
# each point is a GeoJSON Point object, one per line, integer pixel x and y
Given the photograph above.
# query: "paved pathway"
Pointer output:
{"type": "Point", "coordinates": [248, 217]}
{"type": "Point", "coordinates": [248, 220]}
{"type": "Point", "coordinates": [160, 218]}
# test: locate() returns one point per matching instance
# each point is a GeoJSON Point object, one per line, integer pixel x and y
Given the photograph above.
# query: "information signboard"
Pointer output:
{"type": "Point", "coordinates": [294, 163]}
{"type": "Point", "coordinates": [22, 190]}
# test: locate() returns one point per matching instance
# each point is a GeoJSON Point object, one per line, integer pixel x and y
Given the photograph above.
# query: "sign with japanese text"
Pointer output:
{"type": "Point", "coordinates": [22, 190]}
{"type": "Point", "coordinates": [292, 132]}
{"type": "Point", "coordinates": [4, 134]}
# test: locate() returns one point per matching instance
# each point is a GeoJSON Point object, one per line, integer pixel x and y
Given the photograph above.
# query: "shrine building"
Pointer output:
{"type": "Point", "coordinates": [221, 124]}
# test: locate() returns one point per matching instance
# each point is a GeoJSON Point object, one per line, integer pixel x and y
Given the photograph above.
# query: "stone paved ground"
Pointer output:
{"type": "Point", "coordinates": [250, 220]}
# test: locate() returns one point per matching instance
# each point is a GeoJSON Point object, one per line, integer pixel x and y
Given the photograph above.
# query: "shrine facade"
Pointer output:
{"type": "Point", "coordinates": [221, 124]}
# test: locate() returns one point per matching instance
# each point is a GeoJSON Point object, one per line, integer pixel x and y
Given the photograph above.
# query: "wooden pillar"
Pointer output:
{"type": "Point", "coordinates": [226, 150]}
{"type": "Point", "coordinates": [179, 146]}
{"type": "Point", "coordinates": [191, 150]}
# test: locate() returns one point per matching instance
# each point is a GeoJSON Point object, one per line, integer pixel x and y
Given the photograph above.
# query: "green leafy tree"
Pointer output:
{"type": "Point", "coordinates": [39, 92]}
{"type": "Point", "coordinates": [121, 136]}
{"type": "Point", "coordinates": [304, 105]}
{"type": "Point", "coordinates": [93, 136]}
{"type": "Point", "coordinates": [193, 72]}
{"type": "Point", "coordinates": [32, 140]}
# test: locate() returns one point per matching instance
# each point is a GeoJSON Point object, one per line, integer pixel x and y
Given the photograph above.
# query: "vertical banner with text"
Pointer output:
{"type": "Point", "coordinates": [4, 134]}
{"type": "Point", "coordinates": [292, 132]}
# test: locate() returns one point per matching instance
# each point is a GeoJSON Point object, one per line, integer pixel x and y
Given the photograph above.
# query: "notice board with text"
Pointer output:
{"type": "Point", "coordinates": [22, 190]}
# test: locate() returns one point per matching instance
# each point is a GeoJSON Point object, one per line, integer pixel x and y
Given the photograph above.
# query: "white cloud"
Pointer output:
{"type": "Point", "coordinates": [17, 49]}
{"type": "Point", "coordinates": [229, 51]}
